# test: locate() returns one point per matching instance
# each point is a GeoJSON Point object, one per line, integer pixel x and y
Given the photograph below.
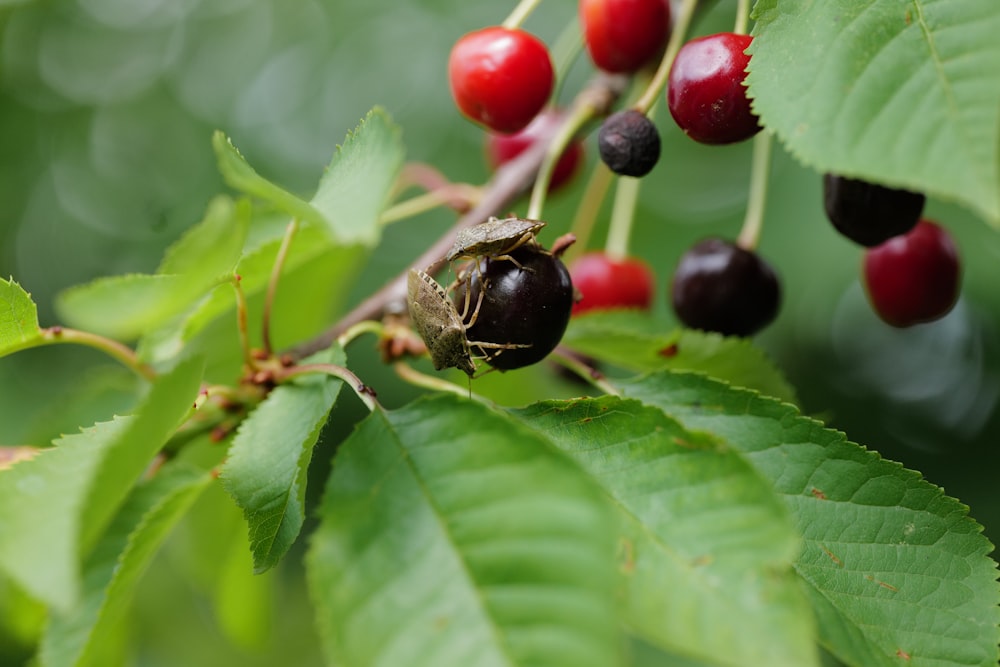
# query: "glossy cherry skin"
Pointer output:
{"type": "Point", "coordinates": [623, 35]}
{"type": "Point", "coordinates": [868, 213]}
{"type": "Point", "coordinates": [705, 91]}
{"type": "Point", "coordinates": [502, 148]}
{"type": "Point", "coordinates": [500, 78]}
{"type": "Point", "coordinates": [605, 283]}
{"type": "Point", "coordinates": [913, 278]}
{"type": "Point", "coordinates": [529, 305]}
{"type": "Point", "coordinates": [721, 287]}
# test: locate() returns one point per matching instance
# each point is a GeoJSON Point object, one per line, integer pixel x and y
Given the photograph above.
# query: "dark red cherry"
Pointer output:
{"type": "Point", "coordinates": [526, 303]}
{"type": "Point", "coordinates": [705, 91]}
{"type": "Point", "coordinates": [604, 283]}
{"type": "Point", "coordinates": [721, 287]}
{"type": "Point", "coordinates": [868, 213]}
{"type": "Point", "coordinates": [915, 277]}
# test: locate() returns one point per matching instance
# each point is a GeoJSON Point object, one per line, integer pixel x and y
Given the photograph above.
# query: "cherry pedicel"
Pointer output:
{"type": "Point", "coordinates": [502, 148]}
{"type": "Point", "coordinates": [719, 286]}
{"type": "Point", "coordinates": [605, 283]}
{"type": "Point", "coordinates": [913, 278]}
{"type": "Point", "coordinates": [705, 91]}
{"type": "Point", "coordinates": [623, 35]}
{"type": "Point", "coordinates": [500, 77]}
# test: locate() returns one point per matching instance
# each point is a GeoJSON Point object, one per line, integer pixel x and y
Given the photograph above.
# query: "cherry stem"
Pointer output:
{"type": "Point", "coordinates": [362, 327]}
{"type": "Point", "coordinates": [742, 17]}
{"type": "Point", "coordinates": [589, 208]}
{"type": "Point", "coordinates": [520, 14]}
{"type": "Point", "coordinates": [459, 196]}
{"type": "Point", "coordinates": [114, 349]}
{"type": "Point", "coordinates": [576, 119]}
{"type": "Point", "coordinates": [760, 171]}
{"type": "Point", "coordinates": [272, 283]}
{"type": "Point", "coordinates": [363, 391]}
{"type": "Point", "coordinates": [677, 37]}
{"type": "Point", "coordinates": [622, 215]}
{"type": "Point", "coordinates": [241, 322]}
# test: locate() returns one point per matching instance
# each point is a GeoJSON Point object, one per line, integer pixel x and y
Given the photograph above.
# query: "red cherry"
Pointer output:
{"type": "Point", "coordinates": [501, 148]}
{"type": "Point", "coordinates": [915, 277]}
{"type": "Point", "coordinates": [705, 91]}
{"type": "Point", "coordinates": [623, 35]}
{"type": "Point", "coordinates": [605, 282]}
{"type": "Point", "coordinates": [500, 77]}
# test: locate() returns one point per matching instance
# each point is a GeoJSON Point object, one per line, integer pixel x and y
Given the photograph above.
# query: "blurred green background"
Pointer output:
{"type": "Point", "coordinates": [106, 111]}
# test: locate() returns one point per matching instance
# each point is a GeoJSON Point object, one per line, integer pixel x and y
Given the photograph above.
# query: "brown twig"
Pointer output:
{"type": "Point", "coordinates": [508, 183]}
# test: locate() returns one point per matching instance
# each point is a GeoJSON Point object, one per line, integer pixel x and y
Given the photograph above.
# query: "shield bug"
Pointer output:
{"type": "Point", "coordinates": [438, 323]}
{"type": "Point", "coordinates": [442, 328]}
{"type": "Point", "coordinates": [494, 238]}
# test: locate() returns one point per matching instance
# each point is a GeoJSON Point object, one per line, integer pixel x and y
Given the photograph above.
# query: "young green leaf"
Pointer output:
{"type": "Point", "coordinates": [353, 191]}
{"type": "Point", "coordinates": [18, 318]}
{"type": "Point", "coordinates": [896, 571]}
{"type": "Point", "coordinates": [127, 306]}
{"type": "Point", "coordinates": [268, 462]}
{"type": "Point", "coordinates": [330, 270]}
{"type": "Point", "coordinates": [356, 186]}
{"type": "Point", "coordinates": [901, 93]}
{"type": "Point", "coordinates": [452, 535]}
{"type": "Point", "coordinates": [238, 173]}
{"type": "Point", "coordinates": [707, 547]}
{"type": "Point", "coordinates": [55, 506]}
{"type": "Point", "coordinates": [112, 570]}
{"type": "Point", "coordinates": [633, 341]}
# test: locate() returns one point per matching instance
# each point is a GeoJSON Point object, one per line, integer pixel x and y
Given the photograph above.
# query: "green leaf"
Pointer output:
{"type": "Point", "coordinates": [356, 186]}
{"type": "Point", "coordinates": [636, 342]}
{"type": "Point", "coordinates": [310, 247]}
{"type": "Point", "coordinates": [117, 562]}
{"type": "Point", "coordinates": [452, 535]}
{"type": "Point", "coordinates": [54, 506]}
{"type": "Point", "coordinates": [268, 462]}
{"type": "Point", "coordinates": [897, 572]}
{"type": "Point", "coordinates": [903, 93]}
{"type": "Point", "coordinates": [127, 306]}
{"type": "Point", "coordinates": [353, 191]}
{"type": "Point", "coordinates": [707, 547]}
{"type": "Point", "coordinates": [41, 501]}
{"type": "Point", "coordinates": [167, 404]}
{"type": "Point", "coordinates": [238, 173]}
{"type": "Point", "coordinates": [212, 248]}
{"type": "Point", "coordinates": [18, 318]}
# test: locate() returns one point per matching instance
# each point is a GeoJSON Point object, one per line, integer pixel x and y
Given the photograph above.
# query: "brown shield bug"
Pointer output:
{"type": "Point", "coordinates": [441, 327]}
{"type": "Point", "coordinates": [494, 238]}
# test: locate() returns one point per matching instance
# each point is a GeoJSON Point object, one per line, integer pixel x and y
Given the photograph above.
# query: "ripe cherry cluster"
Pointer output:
{"type": "Point", "coordinates": [511, 303]}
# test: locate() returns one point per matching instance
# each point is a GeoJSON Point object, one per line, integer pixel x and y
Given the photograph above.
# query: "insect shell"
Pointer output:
{"type": "Point", "coordinates": [494, 238]}
{"type": "Point", "coordinates": [438, 323]}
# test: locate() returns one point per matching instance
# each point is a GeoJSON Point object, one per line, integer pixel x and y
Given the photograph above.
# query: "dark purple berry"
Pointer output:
{"type": "Point", "coordinates": [629, 143]}
{"type": "Point", "coordinates": [868, 213]}
{"type": "Point", "coordinates": [527, 306]}
{"type": "Point", "coordinates": [721, 287]}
